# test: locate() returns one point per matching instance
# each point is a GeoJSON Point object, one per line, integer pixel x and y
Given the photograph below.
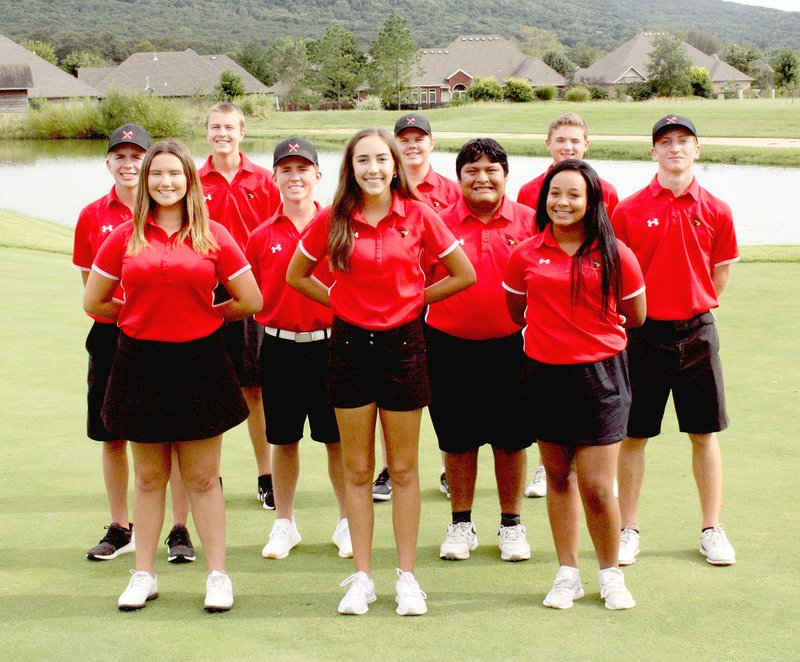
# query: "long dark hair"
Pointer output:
{"type": "Point", "coordinates": [596, 228]}
{"type": "Point", "coordinates": [348, 197]}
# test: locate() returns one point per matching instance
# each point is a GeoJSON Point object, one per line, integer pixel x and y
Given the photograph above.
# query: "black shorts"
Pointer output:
{"type": "Point", "coordinates": [243, 341]}
{"type": "Point", "coordinates": [476, 392]}
{"type": "Point", "coordinates": [683, 361]}
{"type": "Point", "coordinates": [172, 391]}
{"type": "Point", "coordinates": [293, 378]}
{"type": "Point", "coordinates": [581, 404]}
{"type": "Point", "coordinates": [101, 343]}
{"type": "Point", "coordinates": [385, 367]}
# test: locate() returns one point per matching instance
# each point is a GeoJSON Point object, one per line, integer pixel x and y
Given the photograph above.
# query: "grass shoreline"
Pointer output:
{"type": "Point", "coordinates": [36, 234]}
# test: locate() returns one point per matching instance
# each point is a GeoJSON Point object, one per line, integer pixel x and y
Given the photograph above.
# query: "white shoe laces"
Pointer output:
{"type": "Point", "coordinates": [359, 581]}
{"type": "Point", "coordinates": [140, 580]}
{"type": "Point", "coordinates": [459, 532]}
{"type": "Point", "coordinates": [540, 476]}
{"type": "Point", "coordinates": [217, 581]}
{"type": "Point", "coordinates": [512, 533]}
{"type": "Point", "coordinates": [280, 530]}
{"type": "Point", "coordinates": [408, 586]}
{"type": "Point", "coordinates": [628, 535]}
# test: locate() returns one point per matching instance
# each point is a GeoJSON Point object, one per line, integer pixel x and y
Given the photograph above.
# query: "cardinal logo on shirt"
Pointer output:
{"type": "Point", "coordinates": [595, 264]}
{"type": "Point", "coordinates": [697, 223]}
{"type": "Point", "coordinates": [276, 248]}
{"type": "Point", "coordinates": [403, 232]}
{"type": "Point", "coordinates": [510, 240]}
{"type": "Point", "coordinates": [250, 196]}
{"type": "Point", "coordinates": [106, 228]}
{"type": "Point", "coordinates": [652, 222]}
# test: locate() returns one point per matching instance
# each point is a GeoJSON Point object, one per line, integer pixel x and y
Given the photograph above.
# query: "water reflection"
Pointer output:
{"type": "Point", "coordinates": [55, 179]}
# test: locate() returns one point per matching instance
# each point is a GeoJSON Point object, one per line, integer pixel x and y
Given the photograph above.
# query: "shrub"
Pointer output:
{"type": "Point", "coordinates": [518, 90]}
{"type": "Point", "coordinates": [640, 91]}
{"type": "Point", "coordinates": [256, 105]}
{"type": "Point", "coordinates": [700, 80]}
{"type": "Point", "coordinates": [73, 119]}
{"type": "Point", "coordinates": [369, 102]}
{"type": "Point", "coordinates": [459, 99]}
{"type": "Point", "coordinates": [545, 93]}
{"type": "Point", "coordinates": [485, 89]}
{"type": "Point", "coordinates": [577, 94]}
{"type": "Point", "coordinates": [230, 86]}
{"type": "Point", "coordinates": [730, 89]}
{"type": "Point", "coordinates": [599, 93]}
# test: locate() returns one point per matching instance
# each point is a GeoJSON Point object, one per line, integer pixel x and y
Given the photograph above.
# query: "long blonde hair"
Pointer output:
{"type": "Point", "coordinates": [349, 197]}
{"type": "Point", "coordinates": [195, 214]}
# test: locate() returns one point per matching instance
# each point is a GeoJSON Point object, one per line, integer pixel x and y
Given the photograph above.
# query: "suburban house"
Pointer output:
{"type": "Point", "coordinates": [448, 71]}
{"type": "Point", "coordinates": [47, 81]}
{"type": "Point", "coordinates": [15, 81]}
{"type": "Point", "coordinates": [169, 74]}
{"type": "Point", "coordinates": [629, 64]}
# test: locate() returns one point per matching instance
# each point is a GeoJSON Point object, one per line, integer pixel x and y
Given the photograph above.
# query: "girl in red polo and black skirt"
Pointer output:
{"type": "Point", "coordinates": [576, 287]}
{"type": "Point", "coordinates": [172, 383]}
{"type": "Point", "coordinates": [373, 236]}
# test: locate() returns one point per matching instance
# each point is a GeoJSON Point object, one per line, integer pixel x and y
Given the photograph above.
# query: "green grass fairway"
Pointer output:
{"type": "Point", "coordinates": [54, 604]}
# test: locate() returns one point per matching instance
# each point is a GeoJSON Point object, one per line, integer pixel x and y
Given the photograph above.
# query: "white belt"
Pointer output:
{"type": "Point", "coordinates": [301, 336]}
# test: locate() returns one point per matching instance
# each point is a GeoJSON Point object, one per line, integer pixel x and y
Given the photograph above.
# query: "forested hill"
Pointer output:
{"type": "Point", "coordinates": [227, 24]}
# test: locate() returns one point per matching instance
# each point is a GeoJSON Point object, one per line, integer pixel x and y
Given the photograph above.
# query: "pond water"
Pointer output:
{"type": "Point", "coordinates": [54, 180]}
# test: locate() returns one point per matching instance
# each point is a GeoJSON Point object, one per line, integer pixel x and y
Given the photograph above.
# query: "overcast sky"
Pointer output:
{"type": "Point", "coordinates": [787, 5]}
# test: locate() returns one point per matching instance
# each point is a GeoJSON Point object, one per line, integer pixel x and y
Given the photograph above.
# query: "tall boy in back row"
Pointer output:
{"type": "Point", "coordinates": [240, 195]}
{"type": "Point", "coordinates": [567, 138]}
{"type": "Point", "coordinates": [685, 242]}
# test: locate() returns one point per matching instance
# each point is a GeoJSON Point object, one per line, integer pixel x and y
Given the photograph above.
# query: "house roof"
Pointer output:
{"type": "Point", "coordinates": [93, 75]}
{"type": "Point", "coordinates": [630, 62]}
{"type": "Point", "coordinates": [49, 81]}
{"type": "Point", "coordinates": [482, 55]}
{"type": "Point", "coordinates": [15, 77]}
{"type": "Point", "coordinates": [173, 74]}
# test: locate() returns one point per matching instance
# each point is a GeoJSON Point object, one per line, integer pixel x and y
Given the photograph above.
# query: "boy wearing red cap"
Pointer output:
{"type": "Point", "coordinates": [685, 242]}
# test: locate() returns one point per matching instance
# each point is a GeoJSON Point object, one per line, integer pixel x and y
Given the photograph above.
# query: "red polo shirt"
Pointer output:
{"type": "Point", "coordinates": [243, 204]}
{"type": "Point", "coordinates": [556, 331]}
{"type": "Point", "coordinates": [529, 193]}
{"type": "Point", "coordinates": [269, 251]}
{"type": "Point", "coordinates": [169, 289]}
{"type": "Point", "coordinates": [384, 287]}
{"type": "Point", "coordinates": [678, 241]}
{"type": "Point", "coordinates": [95, 223]}
{"type": "Point", "coordinates": [479, 312]}
{"type": "Point", "coordinates": [438, 191]}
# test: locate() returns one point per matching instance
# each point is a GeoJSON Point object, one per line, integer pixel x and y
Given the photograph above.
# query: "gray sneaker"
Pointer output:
{"type": "Point", "coordinates": [179, 545]}
{"type": "Point", "coordinates": [382, 487]}
{"type": "Point", "coordinates": [118, 540]}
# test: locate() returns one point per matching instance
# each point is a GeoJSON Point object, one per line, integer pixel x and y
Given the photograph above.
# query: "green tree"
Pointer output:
{"type": "Point", "coordinates": [395, 60]}
{"type": "Point", "coordinates": [560, 63]}
{"type": "Point", "coordinates": [703, 41]}
{"type": "Point", "coordinates": [338, 63]}
{"type": "Point", "coordinates": [485, 89]}
{"type": "Point", "coordinates": [255, 59]}
{"type": "Point", "coordinates": [746, 58]}
{"type": "Point", "coordinates": [536, 42]}
{"type": "Point", "coordinates": [668, 68]}
{"type": "Point", "coordinates": [700, 80]}
{"type": "Point", "coordinates": [230, 86]}
{"type": "Point", "coordinates": [289, 61]}
{"type": "Point", "coordinates": [786, 65]}
{"type": "Point", "coordinates": [583, 55]}
{"type": "Point", "coordinates": [78, 59]}
{"type": "Point", "coordinates": [42, 49]}
{"type": "Point", "coordinates": [517, 90]}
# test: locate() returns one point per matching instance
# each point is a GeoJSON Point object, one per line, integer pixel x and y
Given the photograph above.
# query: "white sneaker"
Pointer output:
{"type": "Point", "coordinates": [219, 592]}
{"type": "Point", "coordinates": [614, 591]}
{"type": "Point", "coordinates": [341, 538]}
{"type": "Point", "coordinates": [714, 544]}
{"type": "Point", "coordinates": [566, 588]}
{"type": "Point", "coordinates": [360, 594]}
{"type": "Point", "coordinates": [460, 541]}
{"type": "Point", "coordinates": [142, 587]}
{"type": "Point", "coordinates": [513, 543]}
{"type": "Point", "coordinates": [538, 486]}
{"type": "Point", "coordinates": [628, 545]}
{"type": "Point", "coordinates": [283, 537]}
{"type": "Point", "coordinates": [410, 597]}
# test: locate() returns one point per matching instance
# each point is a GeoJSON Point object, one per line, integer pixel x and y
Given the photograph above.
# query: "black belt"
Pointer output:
{"type": "Point", "coordinates": [679, 326]}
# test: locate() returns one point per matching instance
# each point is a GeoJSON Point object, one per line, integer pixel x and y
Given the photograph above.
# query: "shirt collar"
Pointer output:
{"type": "Point", "coordinates": [656, 189]}
{"type": "Point", "coordinates": [398, 208]}
{"type": "Point", "coordinates": [505, 212]}
{"type": "Point", "coordinates": [245, 165]}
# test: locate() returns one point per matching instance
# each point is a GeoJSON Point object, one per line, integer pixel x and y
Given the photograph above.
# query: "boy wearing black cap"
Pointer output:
{"type": "Point", "coordinates": [126, 149]}
{"type": "Point", "coordinates": [293, 355]}
{"type": "Point", "coordinates": [685, 242]}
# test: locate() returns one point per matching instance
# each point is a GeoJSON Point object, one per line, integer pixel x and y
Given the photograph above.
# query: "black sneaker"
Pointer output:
{"type": "Point", "coordinates": [179, 545]}
{"type": "Point", "coordinates": [266, 495]}
{"type": "Point", "coordinates": [382, 487]}
{"type": "Point", "coordinates": [118, 540]}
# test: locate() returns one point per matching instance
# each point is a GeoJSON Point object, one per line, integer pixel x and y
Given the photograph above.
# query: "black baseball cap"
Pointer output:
{"type": "Point", "coordinates": [671, 122]}
{"type": "Point", "coordinates": [412, 121]}
{"type": "Point", "coordinates": [130, 134]}
{"type": "Point", "coordinates": [295, 147]}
